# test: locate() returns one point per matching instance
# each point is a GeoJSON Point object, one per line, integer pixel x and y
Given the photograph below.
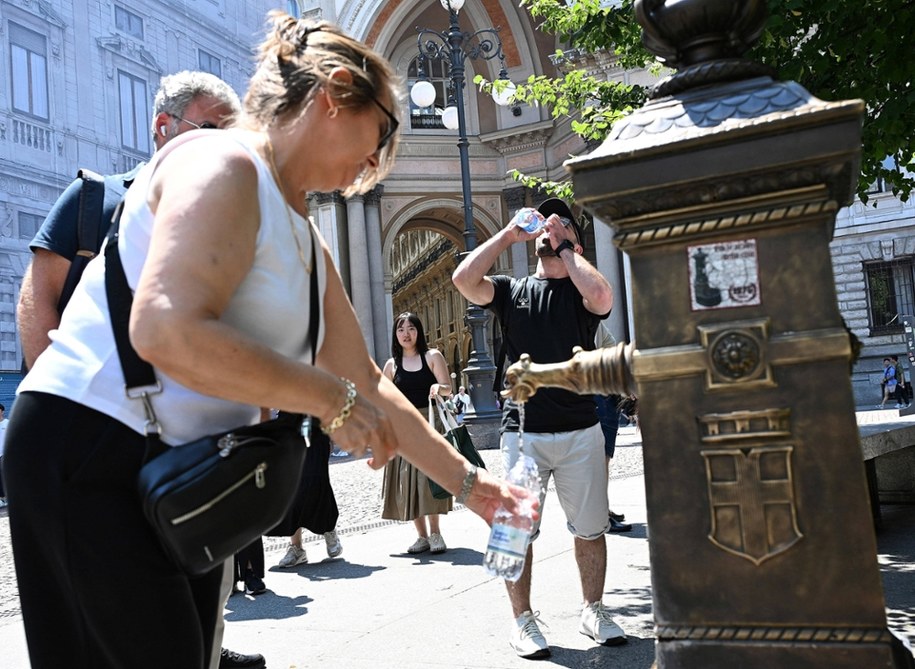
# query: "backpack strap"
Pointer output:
{"type": "Point", "coordinates": [88, 220]}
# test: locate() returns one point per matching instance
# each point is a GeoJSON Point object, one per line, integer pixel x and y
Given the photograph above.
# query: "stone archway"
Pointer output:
{"type": "Point", "coordinates": [420, 244]}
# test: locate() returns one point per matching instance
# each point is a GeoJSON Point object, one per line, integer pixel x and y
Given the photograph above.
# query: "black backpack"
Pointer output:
{"type": "Point", "coordinates": [98, 197]}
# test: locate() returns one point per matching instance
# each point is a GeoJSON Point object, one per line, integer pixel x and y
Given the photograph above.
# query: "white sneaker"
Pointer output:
{"type": "Point", "coordinates": [526, 638]}
{"type": "Point", "coordinates": [294, 556]}
{"type": "Point", "coordinates": [332, 541]}
{"type": "Point", "coordinates": [597, 624]}
{"type": "Point", "coordinates": [421, 545]}
{"type": "Point", "coordinates": [437, 543]}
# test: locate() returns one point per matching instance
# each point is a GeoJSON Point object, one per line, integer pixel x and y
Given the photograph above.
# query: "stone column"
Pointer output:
{"type": "Point", "coordinates": [608, 264]}
{"type": "Point", "coordinates": [381, 332]}
{"type": "Point", "coordinates": [360, 288]}
{"type": "Point", "coordinates": [330, 217]}
{"type": "Point", "coordinates": [723, 191]}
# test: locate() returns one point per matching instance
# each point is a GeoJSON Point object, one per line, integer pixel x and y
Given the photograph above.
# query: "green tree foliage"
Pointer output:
{"type": "Point", "coordinates": [837, 49]}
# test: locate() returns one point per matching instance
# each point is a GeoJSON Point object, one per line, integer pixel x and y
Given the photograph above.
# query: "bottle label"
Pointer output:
{"type": "Point", "coordinates": [508, 540]}
{"type": "Point", "coordinates": [527, 220]}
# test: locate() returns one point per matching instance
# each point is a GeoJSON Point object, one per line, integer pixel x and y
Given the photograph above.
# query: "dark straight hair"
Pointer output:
{"type": "Point", "coordinates": [421, 345]}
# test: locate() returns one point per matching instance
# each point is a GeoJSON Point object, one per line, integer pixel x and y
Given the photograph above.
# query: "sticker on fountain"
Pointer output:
{"type": "Point", "coordinates": [723, 275]}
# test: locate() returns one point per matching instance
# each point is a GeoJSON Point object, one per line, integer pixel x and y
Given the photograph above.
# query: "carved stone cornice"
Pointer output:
{"type": "Point", "coordinates": [523, 138]}
{"type": "Point", "coordinates": [129, 49]}
{"type": "Point", "coordinates": [373, 197]}
{"type": "Point", "coordinates": [592, 62]}
{"type": "Point", "coordinates": [328, 198]}
{"type": "Point", "coordinates": [441, 148]}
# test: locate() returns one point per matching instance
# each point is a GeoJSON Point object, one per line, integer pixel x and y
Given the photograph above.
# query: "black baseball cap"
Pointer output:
{"type": "Point", "coordinates": [556, 206]}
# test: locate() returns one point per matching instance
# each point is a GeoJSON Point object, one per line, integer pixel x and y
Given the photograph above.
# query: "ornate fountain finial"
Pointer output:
{"type": "Point", "coordinates": [703, 39]}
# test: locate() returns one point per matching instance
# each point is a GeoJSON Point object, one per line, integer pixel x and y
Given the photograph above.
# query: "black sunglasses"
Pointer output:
{"type": "Point", "coordinates": [206, 125]}
{"type": "Point", "coordinates": [393, 124]}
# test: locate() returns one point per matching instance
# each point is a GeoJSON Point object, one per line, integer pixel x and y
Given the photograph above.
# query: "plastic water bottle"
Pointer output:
{"type": "Point", "coordinates": [528, 220]}
{"type": "Point", "coordinates": [510, 534]}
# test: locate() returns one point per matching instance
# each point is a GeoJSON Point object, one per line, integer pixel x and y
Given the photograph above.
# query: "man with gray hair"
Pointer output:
{"type": "Point", "coordinates": [184, 101]}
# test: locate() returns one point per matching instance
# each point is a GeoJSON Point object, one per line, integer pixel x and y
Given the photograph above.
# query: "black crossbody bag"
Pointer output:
{"type": "Point", "coordinates": [209, 498]}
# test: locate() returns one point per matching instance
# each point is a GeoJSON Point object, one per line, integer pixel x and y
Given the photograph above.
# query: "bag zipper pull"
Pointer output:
{"type": "Point", "coordinates": [259, 479]}
{"type": "Point", "coordinates": [226, 443]}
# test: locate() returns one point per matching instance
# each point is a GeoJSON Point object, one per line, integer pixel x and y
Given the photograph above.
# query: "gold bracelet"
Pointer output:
{"type": "Point", "coordinates": [348, 404]}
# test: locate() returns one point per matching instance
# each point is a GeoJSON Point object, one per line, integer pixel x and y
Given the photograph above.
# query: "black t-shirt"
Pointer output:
{"type": "Point", "coordinates": [545, 318]}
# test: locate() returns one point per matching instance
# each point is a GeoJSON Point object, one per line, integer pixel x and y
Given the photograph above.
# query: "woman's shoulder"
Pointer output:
{"type": "Point", "coordinates": [434, 353]}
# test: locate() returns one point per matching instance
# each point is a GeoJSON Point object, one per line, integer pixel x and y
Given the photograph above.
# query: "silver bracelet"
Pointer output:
{"type": "Point", "coordinates": [348, 403]}
{"type": "Point", "coordinates": [467, 484]}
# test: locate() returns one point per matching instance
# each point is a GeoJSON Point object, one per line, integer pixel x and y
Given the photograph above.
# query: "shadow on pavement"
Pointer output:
{"type": "Point", "coordinates": [628, 656]}
{"type": "Point", "coordinates": [896, 554]}
{"type": "Point", "coordinates": [330, 570]}
{"type": "Point", "coordinates": [638, 531]}
{"type": "Point", "coordinates": [456, 556]}
{"type": "Point", "coordinates": [266, 606]}
{"type": "Point", "coordinates": [630, 603]}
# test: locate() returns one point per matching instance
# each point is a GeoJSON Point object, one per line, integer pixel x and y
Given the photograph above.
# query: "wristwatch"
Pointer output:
{"type": "Point", "coordinates": [563, 245]}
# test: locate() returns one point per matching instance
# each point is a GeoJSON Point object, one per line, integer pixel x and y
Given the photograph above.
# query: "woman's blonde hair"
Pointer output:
{"type": "Point", "coordinates": [294, 62]}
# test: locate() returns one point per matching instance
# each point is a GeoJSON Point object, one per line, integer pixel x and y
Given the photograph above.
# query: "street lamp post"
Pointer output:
{"type": "Point", "coordinates": [454, 47]}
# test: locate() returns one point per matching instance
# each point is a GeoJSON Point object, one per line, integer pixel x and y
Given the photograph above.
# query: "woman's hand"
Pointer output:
{"type": "Point", "coordinates": [439, 389]}
{"type": "Point", "coordinates": [488, 494]}
{"type": "Point", "coordinates": [367, 429]}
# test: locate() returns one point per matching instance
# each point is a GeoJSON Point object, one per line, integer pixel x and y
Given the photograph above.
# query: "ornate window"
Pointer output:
{"type": "Point", "coordinates": [29, 71]}
{"type": "Point", "coordinates": [436, 71]}
{"type": "Point", "coordinates": [890, 293]}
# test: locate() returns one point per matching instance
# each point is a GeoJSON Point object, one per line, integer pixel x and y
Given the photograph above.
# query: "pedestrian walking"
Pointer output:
{"type": "Point", "coordinates": [889, 382]}
{"type": "Point", "coordinates": [462, 404]}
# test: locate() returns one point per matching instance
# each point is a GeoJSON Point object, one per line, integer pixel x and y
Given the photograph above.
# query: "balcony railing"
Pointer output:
{"type": "Point", "coordinates": [32, 135]}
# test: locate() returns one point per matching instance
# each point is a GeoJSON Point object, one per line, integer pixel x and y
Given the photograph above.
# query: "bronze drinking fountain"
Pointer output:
{"type": "Point", "coordinates": [723, 191]}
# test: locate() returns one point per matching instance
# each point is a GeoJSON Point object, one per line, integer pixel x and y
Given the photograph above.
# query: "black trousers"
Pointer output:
{"type": "Point", "coordinates": [252, 553]}
{"type": "Point", "coordinates": [97, 592]}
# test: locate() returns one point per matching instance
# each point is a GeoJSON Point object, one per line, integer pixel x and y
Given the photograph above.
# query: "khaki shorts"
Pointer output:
{"type": "Point", "coordinates": [576, 462]}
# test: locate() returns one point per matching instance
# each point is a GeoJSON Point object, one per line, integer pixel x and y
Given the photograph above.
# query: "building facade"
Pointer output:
{"type": "Point", "coordinates": [76, 89]}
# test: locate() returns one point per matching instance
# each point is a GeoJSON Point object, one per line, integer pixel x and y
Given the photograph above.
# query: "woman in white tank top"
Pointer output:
{"type": "Point", "coordinates": [216, 244]}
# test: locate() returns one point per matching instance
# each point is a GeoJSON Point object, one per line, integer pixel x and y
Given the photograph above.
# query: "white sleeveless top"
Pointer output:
{"type": "Point", "coordinates": [272, 306]}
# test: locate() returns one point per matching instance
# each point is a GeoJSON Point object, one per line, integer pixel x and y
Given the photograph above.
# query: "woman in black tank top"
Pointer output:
{"type": "Point", "coordinates": [418, 372]}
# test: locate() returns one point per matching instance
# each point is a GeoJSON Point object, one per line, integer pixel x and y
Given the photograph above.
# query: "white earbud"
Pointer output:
{"type": "Point", "coordinates": [162, 130]}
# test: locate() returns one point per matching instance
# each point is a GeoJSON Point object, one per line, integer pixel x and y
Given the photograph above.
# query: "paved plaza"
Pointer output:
{"type": "Point", "coordinates": [378, 607]}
